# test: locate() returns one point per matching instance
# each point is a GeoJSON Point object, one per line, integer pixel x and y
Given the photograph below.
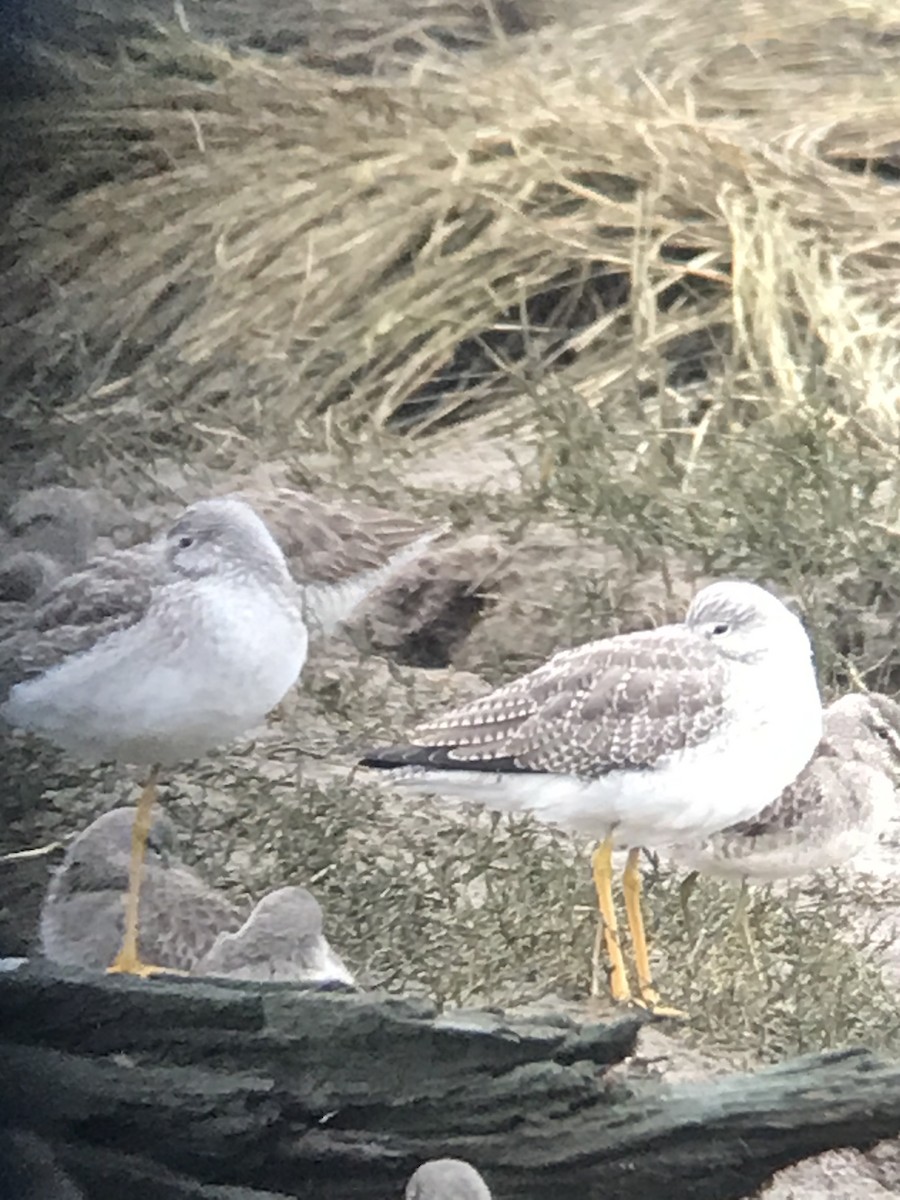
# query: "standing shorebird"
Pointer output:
{"type": "Point", "coordinates": [158, 654]}
{"type": "Point", "coordinates": [282, 939]}
{"type": "Point", "coordinates": [643, 739]}
{"type": "Point", "coordinates": [837, 806]}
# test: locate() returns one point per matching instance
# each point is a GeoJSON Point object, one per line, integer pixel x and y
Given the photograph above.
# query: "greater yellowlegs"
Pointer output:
{"type": "Point", "coordinates": [51, 533]}
{"type": "Point", "coordinates": [281, 939]}
{"type": "Point", "coordinates": [158, 654]}
{"type": "Point", "coordinates": [642, 739]}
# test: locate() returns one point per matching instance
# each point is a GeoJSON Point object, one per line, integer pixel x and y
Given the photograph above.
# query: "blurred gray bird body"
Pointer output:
{"type": "Point", "coordinates": [159, 653]}
{"type": "Point", "coordinates": [446, 1179]}
{"type": "Point", "coordinates": [57, 521]}
{"type": "Point", "coordinates": [51, 534]}
{"type": "Point", "coordinates": [26, 575]}
{"type": "Point", "coordinates": [83, 915]}
{"type": "Point", "coordinates": [838, 805]}
{"type": "Point", "coordinates": [282, 939]}
{"type": "Point", "coordinates": [645, 737]}
{"type": "Point", "coordinates": [339, 553]}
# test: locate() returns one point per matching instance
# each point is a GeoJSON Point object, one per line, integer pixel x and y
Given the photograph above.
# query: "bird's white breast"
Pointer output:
{"type": "Point", "coordinates": [206, 663]}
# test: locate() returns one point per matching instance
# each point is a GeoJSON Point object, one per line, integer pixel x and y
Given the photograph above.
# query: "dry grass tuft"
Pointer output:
{"type": "Point", "coordinates": [616, 208]}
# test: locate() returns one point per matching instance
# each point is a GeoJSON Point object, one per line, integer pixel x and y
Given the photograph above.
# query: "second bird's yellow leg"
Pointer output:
{"type": "Point", "coordinates": [631, 886]}
{"type": "Point", "coordinates": [128, 960]}
{"type": "Point", "coordinates": [742, 922]}
{"type": "Point", "coordinates": [601, 864]}
{"type": "Point", "coordinates": [688, 884]}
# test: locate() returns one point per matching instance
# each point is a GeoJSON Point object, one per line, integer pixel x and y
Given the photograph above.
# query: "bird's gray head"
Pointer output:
{"type": "Point", "coordinates": [746, 622]}
{"type": "Point", "coordinates": [289, 912]}
{"type": "Point", "coordinates": [27, 574]}
{"type": "Point", "coordinates": [98, 858]}
{"type": "Point", "coordinates": [223, 536]}
{"type": "Point", "coordinates": [867, 727]}
{"type": "Point", "coordinates": [58, 521]}
{"type": "Point", "coordinates": [446, 1179]}
{"type": "Point", "coordinates": [285, 925]}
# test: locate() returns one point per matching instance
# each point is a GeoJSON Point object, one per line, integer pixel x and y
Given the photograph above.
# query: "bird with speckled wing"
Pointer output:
{"type": "Point", "coordinates": [643, 739]}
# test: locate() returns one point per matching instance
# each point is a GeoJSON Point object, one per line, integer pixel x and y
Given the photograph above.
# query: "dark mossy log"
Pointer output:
{"type": "Point", "coordinates": [174, 1089]}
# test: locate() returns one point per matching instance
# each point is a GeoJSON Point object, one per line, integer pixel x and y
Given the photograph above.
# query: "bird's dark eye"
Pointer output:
{"type": "Point", "coordinates": [39, 521]}
{"type": "Point", "coordinates": [185, 541]}
{"type": "Point", "coordinates": [720, 628]}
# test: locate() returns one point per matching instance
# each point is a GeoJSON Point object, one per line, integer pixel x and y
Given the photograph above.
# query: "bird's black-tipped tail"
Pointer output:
{"type": "Point", "coordinates": [437, 758]}
{"type": "Point", "coordinates": [392, 758]}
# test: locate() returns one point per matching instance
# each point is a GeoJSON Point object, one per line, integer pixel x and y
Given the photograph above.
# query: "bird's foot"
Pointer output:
{"type": "Point", "coordinates": [658, 1009]}
{"type": "Point", "coordinates": [126, 963]}
{"type": "Point", "coordinates": [652, 1005]}
{"type": "Point", "coordinates": [651, 1001]}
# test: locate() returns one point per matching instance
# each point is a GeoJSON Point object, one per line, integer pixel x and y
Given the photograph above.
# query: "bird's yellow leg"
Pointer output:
{"type": "Point", "coordinates": [601, 864]}
{"type": "Point", "coordinates": [127, 961]}
{"type": "Point", "coordinates": [742, 922]}
{"type": "Point", "coordinates": [631, 885]}
{"type": "Point", "coordinates": [685, 891]}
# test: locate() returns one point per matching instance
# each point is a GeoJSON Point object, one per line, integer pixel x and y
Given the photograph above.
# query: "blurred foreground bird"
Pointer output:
{"type": "Point", "coordinates": [282, 939]}
{"type": "Point", "coordinates": [83, 916]}
{"type": "Point", "coordinates": [446, 1179]}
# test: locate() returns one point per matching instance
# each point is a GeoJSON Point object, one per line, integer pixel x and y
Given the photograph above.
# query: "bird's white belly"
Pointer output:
{"type": "Point", "coordinates": [691, 794]}
{"type": "Point", "coordinates": [830, 834]}
{"type": "Point", "coordinates": [767, 859]}
{"type": "Point", "coordinates": [146, 699]}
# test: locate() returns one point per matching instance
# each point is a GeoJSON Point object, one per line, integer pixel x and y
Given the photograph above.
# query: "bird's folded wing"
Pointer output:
{"type": "Point", "coordinates": [328, 543]}
{"type": "Point", "coordinates": [181, 917]}
{"type": "Point", "coordinates": [107, 595]}
{"type": "Point", "coordinates": [825, 784]}
{"type": "Point", "coordinates": [625, 702]}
